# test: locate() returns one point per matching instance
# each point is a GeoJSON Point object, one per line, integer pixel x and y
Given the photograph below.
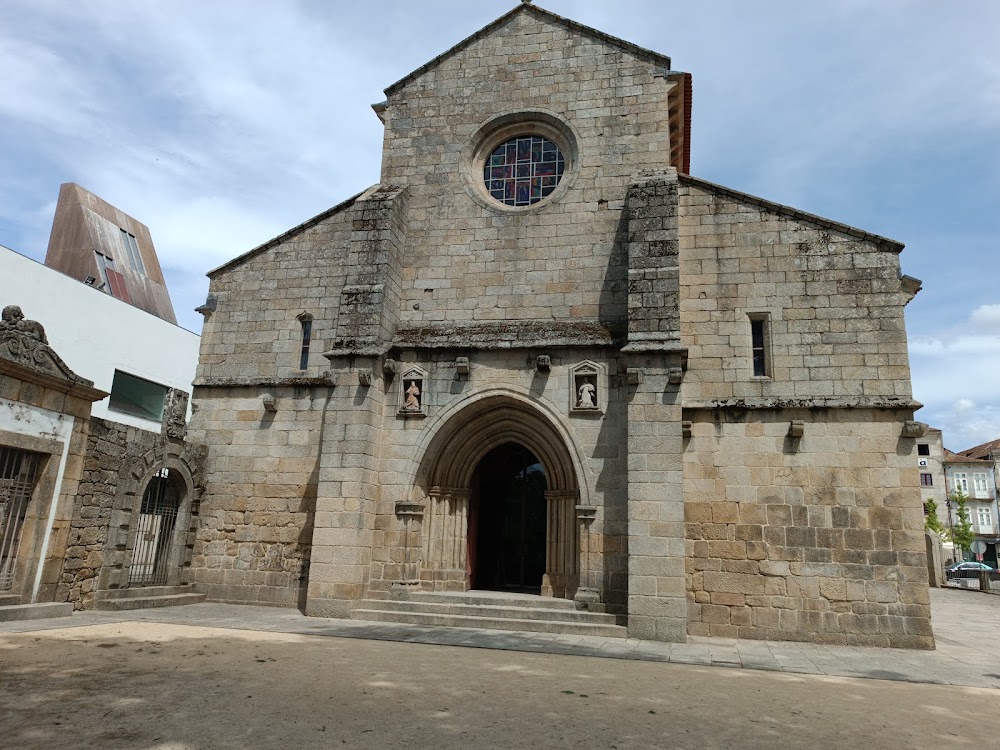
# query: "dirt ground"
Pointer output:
{"type": "Point", "coordinates": [174, 687]}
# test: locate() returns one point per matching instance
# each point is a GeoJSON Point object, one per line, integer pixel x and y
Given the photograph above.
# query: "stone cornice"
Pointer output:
{"type": "Point", "coordinates": [805, 403]}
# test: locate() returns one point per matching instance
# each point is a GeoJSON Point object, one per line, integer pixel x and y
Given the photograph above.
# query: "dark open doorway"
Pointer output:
{"type": "Point", "coordinates": [507, 521]}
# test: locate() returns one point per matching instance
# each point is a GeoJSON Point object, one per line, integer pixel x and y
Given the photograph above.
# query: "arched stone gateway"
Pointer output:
{"type": "Point", "coordinates": [152, 532]}
{"type": "Point", "coordinates": [455, 469]}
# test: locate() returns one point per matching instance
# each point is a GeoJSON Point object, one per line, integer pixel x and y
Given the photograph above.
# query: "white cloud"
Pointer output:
{"type": "Point", "coordinates": [955, 376]}
{"type": "Point", "coordinates": [986, 318]}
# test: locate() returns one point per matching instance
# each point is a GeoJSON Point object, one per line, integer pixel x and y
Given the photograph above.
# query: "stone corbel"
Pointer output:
{"type": "Point", "coordinates": [270, 403]}
{"type": "Point", "coordinates": [796, 428]}
{"type": "Point", "coordinates": [633, 376]}
{"type": "Point", "coordinates": [675, 375]}
{"type": "Point", "coordinates": [914, 429]}
{"type": "Point", "coordinates": [389, 368]}
{"type": "Point", "coordinates": [462, 367]}
{"type": "Point", "coordinates": [686, 428]}
{"type": "Point", "coordinates": [543, 363]}
{"type": "Point", "coordinates": [409, 510]}
{"type": "Point", "coordinates": [365, 378]}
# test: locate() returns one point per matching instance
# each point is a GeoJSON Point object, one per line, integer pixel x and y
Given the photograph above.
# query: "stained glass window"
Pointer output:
{"type": "Point", "coordinates": [523, 170]}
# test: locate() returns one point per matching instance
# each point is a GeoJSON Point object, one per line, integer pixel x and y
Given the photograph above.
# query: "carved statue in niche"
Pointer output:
{"type": "Point", "coordinates": [586, 394]}
{"type": "Point", "coordinates": [13, 320]}
{"type": "Point", "coordinates": [412, 393]}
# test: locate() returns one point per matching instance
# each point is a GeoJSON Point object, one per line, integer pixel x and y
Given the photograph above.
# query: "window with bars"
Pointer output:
{"type": "Point", "coordinates": [923, 449]}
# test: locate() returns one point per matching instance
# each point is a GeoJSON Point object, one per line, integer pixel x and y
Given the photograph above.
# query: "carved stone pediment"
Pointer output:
{"type": "Point", "coordinates": [24, 343]}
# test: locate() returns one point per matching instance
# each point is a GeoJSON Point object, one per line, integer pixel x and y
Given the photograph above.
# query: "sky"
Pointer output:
{"type": "Point", "coordinates": [222, 124]}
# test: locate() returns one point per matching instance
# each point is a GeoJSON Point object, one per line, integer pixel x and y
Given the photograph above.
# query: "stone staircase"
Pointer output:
{"type": "Point", "coordinates": [146, 597]}
{"type": "Point", "coordinates": [492, 610]}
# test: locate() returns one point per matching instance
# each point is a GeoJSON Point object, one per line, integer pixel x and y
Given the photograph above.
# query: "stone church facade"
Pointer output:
{"type": "Point", "coordinates": [540, 356]}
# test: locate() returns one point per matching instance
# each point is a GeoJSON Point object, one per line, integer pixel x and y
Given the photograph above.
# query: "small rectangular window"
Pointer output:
{"type": "Point", "coordinates": [102, 266]}
{"type": "Point", "coordinates": [926, 480]}
{"type": "Point", "coordinates": [960, 482]}
{"type": "Point", "coordinates": [979, 482]}
{"type": "Point", "coordinates": [923, 449]}
{"type": "Point", "coordinates": [306, 340]}
{"type": "Point", "coordinates": [985, 517]}
{"type": "Point", "coordinates": [137, 396]}
{"type": "Point", "coordinates": [758, 345]}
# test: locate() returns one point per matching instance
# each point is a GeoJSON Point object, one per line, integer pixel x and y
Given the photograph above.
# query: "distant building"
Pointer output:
{"type": "Point", "coordinates": [974, 472]}
{"type": "Point", "coordinates": [976, 479]}
{"type": "Point", "coordinates": [96, 243]}
{"type": "Point", "coordinates": [930, 461]}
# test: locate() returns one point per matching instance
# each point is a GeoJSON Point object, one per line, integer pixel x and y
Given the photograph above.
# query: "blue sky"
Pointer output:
{"type": "Point", "coordinates": [221, 124]}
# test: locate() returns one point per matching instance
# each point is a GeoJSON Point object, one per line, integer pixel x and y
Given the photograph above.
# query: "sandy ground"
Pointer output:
{"type": "Point", "coordinates": [177, 687]}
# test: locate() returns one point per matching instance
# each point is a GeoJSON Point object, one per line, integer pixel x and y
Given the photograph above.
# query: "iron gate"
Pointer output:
{"type": "Point", "coordinates": [157, 518]}
{"type": "Point", "coordinates": [18, 473]}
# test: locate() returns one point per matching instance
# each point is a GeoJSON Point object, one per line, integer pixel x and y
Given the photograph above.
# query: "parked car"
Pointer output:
{"type": "Point", "coordinates": [967, 569]}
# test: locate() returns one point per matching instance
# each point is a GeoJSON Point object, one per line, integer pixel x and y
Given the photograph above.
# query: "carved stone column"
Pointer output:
{"type": "Point", "coordinates": [445, 536]}
{"type": "Point", "coordinates": [411, 516]}
{"type": "Point", "coordinates": [561, 545]}
{"type": "Point", "coordinates": [588, 595]}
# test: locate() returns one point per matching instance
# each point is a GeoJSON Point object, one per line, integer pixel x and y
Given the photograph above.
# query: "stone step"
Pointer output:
{"type": "Point", "coordinates": [8, 600]}
{"type": "Point", "coordinates": [492, 599]}
{"type": "Point", "coordinates": [141, 592]}
{"type": "Point", "coordinates": [490, 611]}
{"type": "Point", "coordinates": [11, 613]}
{"type": "Point", "coordinates": [486, 623]}
{"type": "Point", "coordinates": [148, 602]}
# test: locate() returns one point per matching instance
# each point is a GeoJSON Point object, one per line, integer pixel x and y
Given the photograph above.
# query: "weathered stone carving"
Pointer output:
{"type": "Point", "coordinates": [24, 342]}
{"type": "Point", "coordinates": [586, 395]}
{"type": "Point", "coordinates": [13, 319]}
{"type": "Point", "coordinates": [175, 406]}
{"type": "Point", "coordinates": [412, 402]}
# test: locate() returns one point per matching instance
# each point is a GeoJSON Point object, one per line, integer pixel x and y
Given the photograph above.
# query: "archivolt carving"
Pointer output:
{"type": "Point", "coordinates": [469, 435]}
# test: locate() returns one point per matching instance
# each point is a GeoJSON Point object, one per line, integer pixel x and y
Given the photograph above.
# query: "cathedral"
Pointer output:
{"type": "Point", "coordinates": [542, 363]}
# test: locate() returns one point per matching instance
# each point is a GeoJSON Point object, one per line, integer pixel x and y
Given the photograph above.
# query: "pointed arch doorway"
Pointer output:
{"type": "Point", "coordinates": [500, 510]}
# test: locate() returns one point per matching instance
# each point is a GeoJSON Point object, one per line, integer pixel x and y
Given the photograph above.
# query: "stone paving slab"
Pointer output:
{"type": "Point", "coordinates": [966, 623]}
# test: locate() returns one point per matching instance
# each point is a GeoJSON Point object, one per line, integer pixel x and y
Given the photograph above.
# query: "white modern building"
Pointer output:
{"type": "Point", "coordinates": [133, 355]}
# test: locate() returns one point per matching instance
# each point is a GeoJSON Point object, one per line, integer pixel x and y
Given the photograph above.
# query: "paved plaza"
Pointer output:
{"type": "Point", "coordinates": [966, 627]}
{"type": "Point", "coordinates": [222, 677]}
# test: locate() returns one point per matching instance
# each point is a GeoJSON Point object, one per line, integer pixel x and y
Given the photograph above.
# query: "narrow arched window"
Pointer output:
{"type": "Point", "coordinates": [307, 323]}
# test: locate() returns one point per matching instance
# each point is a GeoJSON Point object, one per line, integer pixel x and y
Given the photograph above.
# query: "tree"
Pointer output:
{"type": "Point", "coordinates": [961, 533]}
{"type": "Point", "coordinates": [932, 522]}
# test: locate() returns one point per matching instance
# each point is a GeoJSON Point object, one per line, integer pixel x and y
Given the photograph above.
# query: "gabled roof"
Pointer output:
{"type": "Point", "coordinates": [983, 451]}
{"type": "Point", "coordinates": [527, 7]}
{"type": "Point", "coordinates": [884, 242]}
{"type": "Point", "coordinates": [951, 457]}
{"type": "Point", "coordinates": [308, 224]}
